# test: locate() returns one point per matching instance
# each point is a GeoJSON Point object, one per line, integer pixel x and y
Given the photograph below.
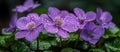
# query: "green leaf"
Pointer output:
{"type": "Point", "coordinates": [40, 10]}
{"type": "Point", "coordinates": [43, 45]}
{"type": "Point", "coordinates": [20, 47]}
{"type": "Point", "coordinates": [6, 33]}
{"type": "Point", "coordinates": [113, 45]}
{"type": "Point", "coordinates": [114, 30]}
{"type": "Point", "coordinates": [69, 50]}
{"type": "Point", "coordinates": [3, 40]}
{"type": "Point", "coordinates": [96, 50]}
{"type": "Point", "coordinates": [73, 36]}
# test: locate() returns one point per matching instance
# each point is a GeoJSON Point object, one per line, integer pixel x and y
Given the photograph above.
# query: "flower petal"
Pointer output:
{"type": "Point", "coordinates": [99, 13]}
{"type": "Point", "coordinates": [21, 34]}
{"type": "Point", "coordinates": [20, 9]}
{"type": "Point", "coordinates": [84, 35]}
{"type": "Point", "coordinates": [98, 32]}
{"type": "Point", "coordinates": [63, 33]}
{"type": "Point", "coordinates": [33, 34]}
{"type": "Point", "coordinates": [46, 20]}
{"type": "Point", "coordinates": [35, 18]}
{"type": "Point", "coordinates": [51, 28]}
{"type": "Point", "coordinates": [13, 20]}
{"type": "Point", "coordinates": [28, 3]}
{"type": "Point", "coordinates": [22, 22]}
{"type": "Point", "coordinates": [93, 41]}
{"type": "Point", "coordinates": [90, 16]}
{"type": "Point", "coordinates": [79, 13]}
{"type": "Point", "coordinates": [106, 17]}
{"type": "Point", "coordinates": [53, 12]}
{"type": "Point", "coordinates": [70, 23]}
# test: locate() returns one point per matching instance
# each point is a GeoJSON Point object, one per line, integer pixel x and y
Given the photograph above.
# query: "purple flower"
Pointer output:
{"type": "Point", "coordinates": [27, 6]}
{"type": "Point", "coordinates": [83, 17]}
{"type": "Point", "coordinates": [59, 22]}
{"type": "Point", "coordinates": [12, 24]}
{"type": "Point", "coordinates": [104, 19]}
{"type": "Point", "coordinates": [29, 26]}
{"type": "Point", "coordinates": [92, 33]}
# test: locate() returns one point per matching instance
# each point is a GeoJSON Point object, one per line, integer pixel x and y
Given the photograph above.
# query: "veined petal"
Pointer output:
{"type": "Point", "coordinates": [79, 13]}
{"type": "Point", "coordinates": [53, 12]}
{"type": "Point", "coordinates": [22, 22]}
{"type": "Point", "coordinates": [99, 13]}
{"type": "Point", "coordinates": [70, 23]}
{"type": "Point", "coordinates": [106, 17]}
{"type": "Point", "coordinates": [35, 18]}
{"type": "Point", "coordinates": [63, 33]}
{"type": "Point", "coordinates": [84, 35]}
{"type": "Point", "coordinates": [93, 41]}
{"type": "Point", "coordinates": [51, 28]}
{"type": "Point", "coordinates": [21, 34]}
{"type": "Point", "coordinates": [90, 16]}
{"type": "Point", "coordinates": [33, 34]}
{"type": "Point", "coordinates": [13, 20]}
{"type": "Point", "coordinates": [20, 9]}
{"type": "Point", "coordinates": [46, 20]}
{"type": "Point", "coordinates": [28, 3]}
{"type": "Point", "coordinates": [98, 32]}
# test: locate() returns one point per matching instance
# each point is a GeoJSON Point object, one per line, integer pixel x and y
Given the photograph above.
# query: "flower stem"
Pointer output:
{"type": "Point", "coordinates": [77, 40]}
{"type": "Point", "coordinates": [60, 42]}
{"type": "Point", "coordinates": [37, 45]}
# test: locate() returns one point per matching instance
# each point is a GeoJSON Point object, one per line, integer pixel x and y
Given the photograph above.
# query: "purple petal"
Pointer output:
{"type": "Point", "coordinates": [84, 35]}
{"type": "Point", "coordinates": [99, 13]}
{"type": "Point", "coordinates": [93, 41]}
{"type": "Point", "coordinates": [79, 13]}
{"type": "Point", "coordinates": [22, 22]}
{"type": "Point", "coordinates": [111, 25]}
{"type": "Point", "coordinates": [90, 16]}
{"type": "Point", "coordinates": [35, 5]}
{"type": "Point", "coordinates": [28, 3]}
{"type": "Point", "coordinates": [21, 34]}
{"type": "Point", "coordinates": [90, 26]}
{"type": "Point", "coordinates": [63, 33]}
{"type": "Point", "coordinates": [13, 20]}
{"type": "Point", "coordinates": [108, 25]}
{"type": "Point", "coordinates": [33, 34]}
{"type": "Point", "coordinates": [64, 13]}
{"type": "Point", "coordinates": [35, 17]}
{"type": "Point", "coordinates": [51, 28]}
{"type": "Point", "coordinates": [98, 32]}
{"type": "Point", "coordinates": [106, 17]}
{"type": "Point", "coordinates": [53, 12]}
{"type": "Point", "coordinates": [81, 26]}
{"type": "Point", "coordinates": [45, 19]}
{"type": "Point", "coordinates": [20, 9]}
{"type": "Point", "coordinates": [70, 23]}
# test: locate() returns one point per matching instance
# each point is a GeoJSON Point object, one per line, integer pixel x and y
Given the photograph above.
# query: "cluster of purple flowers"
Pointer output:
{"type": "Point", "coordinates": [92, 25]}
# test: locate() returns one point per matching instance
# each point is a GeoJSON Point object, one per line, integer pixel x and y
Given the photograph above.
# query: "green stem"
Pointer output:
{"type": "Point", "coordinates": [77, 40]}
{"type": "Point", "coordinates": [60, 42]}
{"type": "Point", "coordinates": [37, 45]}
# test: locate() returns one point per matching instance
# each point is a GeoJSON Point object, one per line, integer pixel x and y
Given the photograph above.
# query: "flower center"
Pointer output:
{"type": "Point", "coordinates": [90, 34]}
{"type": "Point", "coordinates": [81, 20]}
{"type": "Point", "coordinates": [58, 22]}
{"type": "Point", "coordinates": [31, 25]}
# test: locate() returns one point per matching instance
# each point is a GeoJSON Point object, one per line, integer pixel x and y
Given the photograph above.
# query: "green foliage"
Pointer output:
{"type": "Point", "coordinates": [69, 50]}
{"type": "Point", "coordinates": [96, 50]}
{"type": "Point", "coordinates": [20, 47]}
{"type": "Point", "coordinates": [113, 45]}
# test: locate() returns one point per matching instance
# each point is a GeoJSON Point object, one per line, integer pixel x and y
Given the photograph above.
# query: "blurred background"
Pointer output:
{"type": "Point", "coordinates": [113, 6]}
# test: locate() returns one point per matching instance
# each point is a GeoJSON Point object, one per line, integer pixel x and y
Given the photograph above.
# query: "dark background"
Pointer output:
{"type": "Point", "coordinates": [113, 6]}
